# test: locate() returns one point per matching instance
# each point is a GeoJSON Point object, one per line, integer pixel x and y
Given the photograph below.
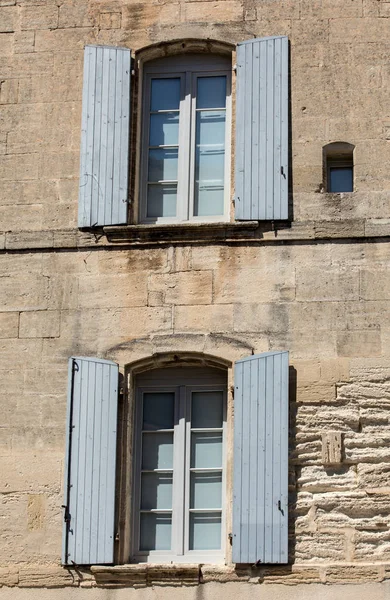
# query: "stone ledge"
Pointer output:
{"type": "Point", "coordinates": [178, 575]}
{"type": "Point", "coordinates": [251, 232]}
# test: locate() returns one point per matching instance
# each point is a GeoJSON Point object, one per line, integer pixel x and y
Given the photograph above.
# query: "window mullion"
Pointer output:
{"type": "Point", "coordinates": [178, 478]}
{"type": "Point", "coordinates": [184, 133]}
{"type": "Point", "coordinates": [187, 474]}
{"type": "Point", "coordinates": [191, 143]}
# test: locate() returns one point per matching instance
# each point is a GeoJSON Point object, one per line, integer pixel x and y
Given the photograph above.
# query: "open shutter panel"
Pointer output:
{"type": "Point", "coordinates": [90, 462]}
{"type": "Point", "coordinates": [262, 129]}
{"type": "Point", "coordinates": [260, 483]}
{"type": "Point", "coordinates": [104, 155]}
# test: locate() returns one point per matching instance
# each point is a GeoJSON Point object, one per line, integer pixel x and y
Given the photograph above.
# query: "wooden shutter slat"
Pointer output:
{"type": "Point", "coordinates": [104, 155]}
{"type": "Point", "coordinates": [90, 466]}
{"type": "Point", "coordinates": [262, 129]}
{"type": "Point", "coordinates": [260, 508]}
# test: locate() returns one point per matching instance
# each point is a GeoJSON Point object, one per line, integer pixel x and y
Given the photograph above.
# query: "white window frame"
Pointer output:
{"type": "Point", "coordinates": [183, 386]}
{"type": "Point", "coordinates": [189, 68]}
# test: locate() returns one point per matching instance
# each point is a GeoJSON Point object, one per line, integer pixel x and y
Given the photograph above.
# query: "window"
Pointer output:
{"type": "Point", "coordinates": [182, 129]}
{"type": "Point", "coordinates": [177, 507]}
{"type": "Point", "coordinates": [186, 139]}
{"type": "Point", "coordinates": [179, 466]}
{"type": "Point", "coordinates": [338, 167]}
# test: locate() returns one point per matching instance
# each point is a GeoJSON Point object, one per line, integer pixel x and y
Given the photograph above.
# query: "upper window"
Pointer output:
{"type": "Point", "coordinates": [181, 143]}
{"type": "Point", "coordinates": [185, 155]}
{"type": "Point", "coordinates": [338, 167]}
{"type": "Point", "coordinates": [179, 474]}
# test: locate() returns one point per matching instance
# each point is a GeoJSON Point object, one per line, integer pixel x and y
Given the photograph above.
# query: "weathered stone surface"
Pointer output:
{"type": "Point", "coordinates": [112, 290]}
{"type": "Point", "coordinates": [329, 285]}
{"type": "Point", "coordinates": [290, 575]}
{"type": "Point", "coordinates": [183, 288]}
{"type": "Point", "coordinates": [359, 343]}
{"type": "Point", "coordinates": [9, 576]}
{"type": "Point", "coordinates": [9, 325]}
{"type": "Point", "coordinates": [316, 393]}
{"type": "Point", "coordinates": [328, 478]}
{"type": "Point", "coordinates": [253, 285]}
{"type": "Point", "coordinates": [213, 318]}
{"type": "Point", "coordinates": [323, 546]}
{"type": "Point", "coordinates": [47, 576]}
{"type": "Point", "coordinates": [40, 324]}
{"type": "Point", "coordinates": [8, 18]}
{"type": "Point", "coordinates": [27, 294]}
{"type": "Point", "coordinates": [352, 574]}
{"type": "Point", "coordinates": [374, 475]}
{"type": "Point", "coordinates": [46, 17]}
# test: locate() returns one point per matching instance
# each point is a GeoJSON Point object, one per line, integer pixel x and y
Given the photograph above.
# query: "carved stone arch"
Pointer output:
{"type": "Point", "coordinates": [183, 46]}
{"type": "Point", "coordinates": [224, 349]}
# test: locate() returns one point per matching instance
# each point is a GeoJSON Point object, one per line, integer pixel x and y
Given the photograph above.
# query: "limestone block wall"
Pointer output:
{"type": "Point", "coordinates": [319, 289]}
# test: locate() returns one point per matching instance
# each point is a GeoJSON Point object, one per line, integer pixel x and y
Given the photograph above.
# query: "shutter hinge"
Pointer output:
{"type": "Point", "coordinates": [127, 200]}
{"type": "Point", "coordinates": [235, 68]}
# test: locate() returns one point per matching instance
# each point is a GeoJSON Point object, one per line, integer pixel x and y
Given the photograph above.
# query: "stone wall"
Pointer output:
{"type": "Point", "coordinates": [319, 289]}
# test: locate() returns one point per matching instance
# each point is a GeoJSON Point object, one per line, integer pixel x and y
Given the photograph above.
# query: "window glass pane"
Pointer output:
{"type": "Point", "coordinates": [210, 128]}
{"type": "Point", "coordinates": [341, 179]}
{"type": "Point", "coordinates": [209, 200]}
{"type": "Point", "coordinates": [155, 531]}
{"type": "Point", "coordinates": [209, 167]}
{"type": "Point", "coordinates": [164, 129]}
{"type": "Point", "coordinates": [211, 92]}
{"type": "Point", "coordinates": [157, 451]}
{"type": "Point", "coordinates": [163, 164]}
{"type": "Point", "coordinates": [206, 490]}
{"type": "Point", "coordinates": [209, 163]}
{"type": "Point", "coordinates": [158, 410]}
{"type": "Point", "coordinates": [206, 450]}
{"type": "Point", "coordinates": [162, 200]}
{"type": "Point", "coordinates": [205, 531]}
{"type": "Point", "coordinates": [207, 409]}
{"type": "Point", "coordinates": [165, 94]}
{"type": "Point", "coordinates": [156, 490]}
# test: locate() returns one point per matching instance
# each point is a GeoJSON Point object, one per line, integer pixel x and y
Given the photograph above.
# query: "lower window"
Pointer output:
{"type": "Point", "coordinates": [179, 466]}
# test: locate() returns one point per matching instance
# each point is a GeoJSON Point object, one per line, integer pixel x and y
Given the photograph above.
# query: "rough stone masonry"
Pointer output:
{"type": "Point", "coordinates": [319, 288]}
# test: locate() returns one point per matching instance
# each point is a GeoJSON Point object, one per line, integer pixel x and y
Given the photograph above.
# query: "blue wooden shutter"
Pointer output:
{"type": "Point", "coordinates": [260, 505]}
{"type": "Point", "coordinates": [104, 156]}
{"type": "Point", "coordinates": [262, 129]}
{"type": "Point", "coordinates": [90, 462]}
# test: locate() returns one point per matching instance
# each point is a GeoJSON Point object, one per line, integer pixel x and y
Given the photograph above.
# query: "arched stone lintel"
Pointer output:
{"type": "Point", "coordinates": [177, 359]}
{"type": "Point", "coordinates": [183, 46]}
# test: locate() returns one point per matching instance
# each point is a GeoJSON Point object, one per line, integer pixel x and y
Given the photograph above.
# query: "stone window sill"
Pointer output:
{"type": "Point", "coordinates": [181, 232]}
{"type": "Point", "coordinates": [146, 575]}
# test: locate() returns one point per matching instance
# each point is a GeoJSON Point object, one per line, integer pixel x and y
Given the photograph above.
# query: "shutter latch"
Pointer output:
{"type": "Point", "coordinates": [282, 172]}
{"type": "Point", "coordinates": [66, 513]}
{"type": "Point", "coordinates": [280, 507]}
